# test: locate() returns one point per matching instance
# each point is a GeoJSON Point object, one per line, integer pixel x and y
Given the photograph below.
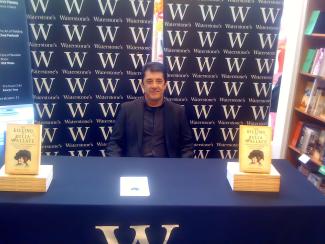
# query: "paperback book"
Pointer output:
{"type": "Point", "coordinates": [255, 148]}
{"type": "Point", "coordinates": [23, 149]}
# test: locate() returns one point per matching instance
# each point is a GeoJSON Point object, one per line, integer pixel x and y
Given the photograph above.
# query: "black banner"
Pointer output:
{"type": "Point", "coordinates": [87, 57]}
{"type": "Point", "coordinates": [221, 57]}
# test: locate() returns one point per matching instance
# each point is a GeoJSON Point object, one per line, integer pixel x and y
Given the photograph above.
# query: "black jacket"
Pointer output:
{"type": "Point", "coordinates": [126, 139]}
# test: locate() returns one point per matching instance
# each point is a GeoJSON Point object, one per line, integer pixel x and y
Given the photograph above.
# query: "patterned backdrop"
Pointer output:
{"type": "Point", "coordinates": [87, 57]}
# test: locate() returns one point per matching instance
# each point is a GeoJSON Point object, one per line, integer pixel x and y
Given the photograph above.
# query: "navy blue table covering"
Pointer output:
{"type": "Point", "coordinates": [192, 193]}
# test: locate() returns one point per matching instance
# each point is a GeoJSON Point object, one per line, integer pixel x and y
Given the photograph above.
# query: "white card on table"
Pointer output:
{"type": "Point", "coordinates": [134, 186]}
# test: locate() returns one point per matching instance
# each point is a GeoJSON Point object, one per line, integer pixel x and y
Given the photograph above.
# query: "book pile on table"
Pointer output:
{"type": "Point", "coordinates": [240, 181]}
{"type": "Point", "coordinates": [27, 183]}
{"type": "Point", "coordinates": [22, 170]}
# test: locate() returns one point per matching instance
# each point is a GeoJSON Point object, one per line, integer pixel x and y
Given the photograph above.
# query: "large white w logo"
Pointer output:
{"type": "Point", "coordinates": [108, 5]}
{"type": "Point", "coordinates": [140, 6]}
{"type": "Point", "coordinates": [180, 10]}
{"type": "Point", "coordinates": [73, 4]}
{"type": "Point", "coordinates": [209, 11]}
{"type": "Point", "coordinates": [36, 3]}
{"type": "Point", "coordinates": [40, 30]}
{"type": "Point", "coordinates": [75, 31]}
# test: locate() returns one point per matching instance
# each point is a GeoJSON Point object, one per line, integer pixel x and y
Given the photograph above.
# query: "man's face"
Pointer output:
{"type": "Point", "coordinates": [154, 86]}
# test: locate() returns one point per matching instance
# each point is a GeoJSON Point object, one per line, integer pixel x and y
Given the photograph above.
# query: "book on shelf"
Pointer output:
{"type": "Point", "coordinates": [306, 67]}
{"type": "Point", "coordinates": [321, 141]}
{"type": "Point", "coordinates": [316, 23]}
{"type": "Point", "coordinates": [296, 133]}
{"type": "Point", "coordinates": [320, 105]}
{"type": "Point", "coordinates": [313, 147]}
{"type": "Point", "coordinates": [316, 58]}
{"type": "Point", "coordinates": [308, 133]}
{"type": "Point", "coordinates": [322, 69]}
{"type": "Point", "coordinates": [317, 62]}
{"type": "Point", "coordinates": [316, 92]}
{"type": "Point", "coordinates": [314, 62]}
{"type": "Point", "coordinates": [305, 98]}
{"type": "Point", "coordinates": [312, 142]}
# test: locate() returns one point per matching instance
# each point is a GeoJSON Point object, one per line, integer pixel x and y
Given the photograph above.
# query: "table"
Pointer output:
{"type": "Point", "coordinates": [193, 194]}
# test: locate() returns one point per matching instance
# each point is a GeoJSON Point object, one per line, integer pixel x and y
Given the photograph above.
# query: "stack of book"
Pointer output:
{"type": "Point", "coordinates": [240, 181]}
{"type": "Point", "coordinates": [27, 183]}
{"type": "Point", "coordinates": [22, 170]}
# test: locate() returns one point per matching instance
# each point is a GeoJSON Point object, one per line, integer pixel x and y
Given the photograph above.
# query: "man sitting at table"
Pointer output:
{"type": "Point", "coordinates": [151, 126]}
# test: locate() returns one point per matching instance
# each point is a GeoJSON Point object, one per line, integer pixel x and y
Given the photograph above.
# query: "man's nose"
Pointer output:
{"type": "Point", "coordinates": [154, 84]}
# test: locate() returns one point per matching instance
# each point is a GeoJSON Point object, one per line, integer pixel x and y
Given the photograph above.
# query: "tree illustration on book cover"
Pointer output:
{"type": "Point", "coordinates": [23, 157]}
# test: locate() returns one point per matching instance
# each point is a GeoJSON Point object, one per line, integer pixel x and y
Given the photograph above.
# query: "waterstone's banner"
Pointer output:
{"type": "Point", "coordinates": [87, 57]}
{"type": "Point", "coordinates": [221, 55]}
{"type": "Point", "coordinates": [15, 69]}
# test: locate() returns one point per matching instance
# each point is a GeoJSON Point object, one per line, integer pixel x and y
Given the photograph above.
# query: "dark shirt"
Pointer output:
{"type": "Point", "coordinates": [153, 144]}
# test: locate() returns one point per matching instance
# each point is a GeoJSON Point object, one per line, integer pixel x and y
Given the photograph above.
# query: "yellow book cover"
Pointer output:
{"type": "Point", "coordinates": [23, 148]}
{"type": "Point", "coordinates": [255, 149]}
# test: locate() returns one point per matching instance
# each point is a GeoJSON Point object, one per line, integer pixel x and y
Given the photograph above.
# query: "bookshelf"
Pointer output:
{"type": "Point", "coordinates": [295, 150]}
{"type": "Point", "coordinates": [311, 41]}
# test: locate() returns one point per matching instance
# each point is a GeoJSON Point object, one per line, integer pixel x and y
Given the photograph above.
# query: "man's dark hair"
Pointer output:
{"type": "Point", "coordinates": [154, 67]}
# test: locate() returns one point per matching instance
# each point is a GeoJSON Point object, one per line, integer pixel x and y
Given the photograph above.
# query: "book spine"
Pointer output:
{"type": "Point", "coordinates": [309, 60]}
{"type": "Point", "coordinates": [311, 96]}
{"type": "Point", "coordinates": [322, 69]}
{"type": "Point", "coordinates": [312, 22]}
{"type": "Point", "coordinates": [313, 102]}
{"type": "Point", "coordinates": [296, 134]}
{"type": "Point", "coordinates": [315, 61]}
{"type": "Point", "coordinates": [322, 145]}
{"type": "Point", "coordinates": [319, 104]}
{"type": "Point", "coordinates": [318, 62]}
{"type": "Point", "coordinates": [304, 140]}
{"type": "Point", "coordinates": [301, 139]}
{"type": "Point", "coordinates": [312, 144]}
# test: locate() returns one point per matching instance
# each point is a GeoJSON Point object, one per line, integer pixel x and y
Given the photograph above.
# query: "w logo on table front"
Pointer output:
{"type": "Point", "coordinates": [140, 233]}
